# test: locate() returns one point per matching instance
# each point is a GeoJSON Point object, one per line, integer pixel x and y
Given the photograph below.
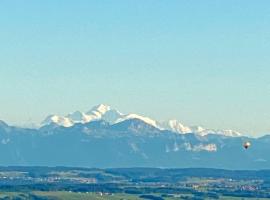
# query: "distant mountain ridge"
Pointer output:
{"type": "Point", "coordinates": [113, 116]}
{"type": "Point", "coordinates": [104, 137]}
{"type": "Point", "coordinates": [128, 143]}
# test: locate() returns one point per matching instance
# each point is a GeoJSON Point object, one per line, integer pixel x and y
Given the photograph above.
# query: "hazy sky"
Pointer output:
{"type": "Point", "coordinates": [202, 62]}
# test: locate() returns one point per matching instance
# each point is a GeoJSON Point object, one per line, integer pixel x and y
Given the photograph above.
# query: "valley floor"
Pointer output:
{"type": "Point", "coordinates": [64, 183]}
{"type": "Point", "coordinates": [65, 195]}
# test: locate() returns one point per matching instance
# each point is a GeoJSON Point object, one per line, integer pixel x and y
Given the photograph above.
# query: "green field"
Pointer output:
{"type": "Point", "coordinates": [63, 195]}
{"type": "Point", "coordinates": [84, 196]}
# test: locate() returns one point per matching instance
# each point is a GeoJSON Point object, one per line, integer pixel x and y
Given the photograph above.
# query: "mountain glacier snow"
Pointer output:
{"type": "Point", "coordinates": [113, 116]}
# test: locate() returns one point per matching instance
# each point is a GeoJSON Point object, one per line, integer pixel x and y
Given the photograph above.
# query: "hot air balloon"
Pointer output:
{"type": "Point", "coordinates": [246, 145]}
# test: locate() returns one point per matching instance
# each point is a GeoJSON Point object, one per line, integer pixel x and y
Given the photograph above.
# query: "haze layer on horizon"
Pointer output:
{"type": "Point", "coordinates": [204, 63]}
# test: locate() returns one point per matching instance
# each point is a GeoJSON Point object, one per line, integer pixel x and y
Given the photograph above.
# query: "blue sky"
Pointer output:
{"type": "Point", "coordinates": [202, 62]}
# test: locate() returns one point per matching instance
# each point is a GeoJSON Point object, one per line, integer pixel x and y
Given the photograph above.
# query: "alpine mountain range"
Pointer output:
{"type": "Point", "coordinates": [104, 137]}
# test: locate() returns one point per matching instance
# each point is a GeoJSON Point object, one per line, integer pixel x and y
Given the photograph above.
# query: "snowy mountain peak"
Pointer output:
{"type": "Point", "coordinates": [62, 121]}
{"type": "Point", "coordinates": [175, 126]}
{"type": "Point", "coordinates": [101, 109]}
{"type": "Point", "coordinates": [202, 131]}
{"type": "Point", "coordinates": [112, 116]}
{"type": "Point", "coordinates": [197, 129]}
{"type": "Point", "coordinates": [135, 116]}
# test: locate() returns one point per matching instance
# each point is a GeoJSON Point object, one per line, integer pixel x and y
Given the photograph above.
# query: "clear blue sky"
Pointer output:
{"type": "Point", "coordinates": [202, 62]}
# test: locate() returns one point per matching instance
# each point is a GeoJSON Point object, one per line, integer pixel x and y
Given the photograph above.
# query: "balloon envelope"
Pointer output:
{"type": "Point", "coordinates": [246, 145]}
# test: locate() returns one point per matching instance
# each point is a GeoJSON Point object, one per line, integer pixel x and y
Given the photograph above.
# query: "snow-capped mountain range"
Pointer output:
{"type": "Point", "coordinates": [104, 137]}
{"type": "Point", "coordinates": [113, 116]}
